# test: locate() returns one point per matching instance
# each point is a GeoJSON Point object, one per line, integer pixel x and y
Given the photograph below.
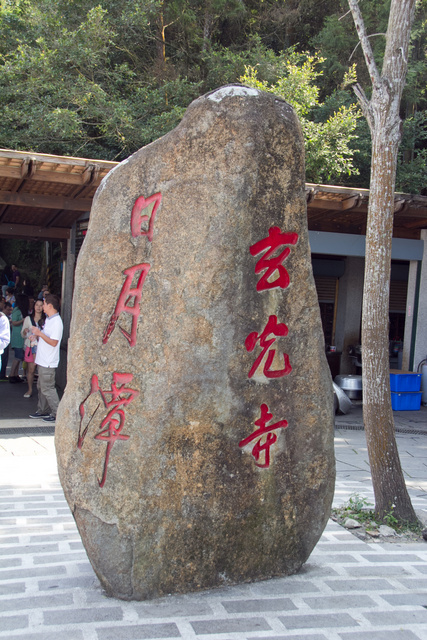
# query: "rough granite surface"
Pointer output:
{"type": "Point", "coordinates": [167, 327]}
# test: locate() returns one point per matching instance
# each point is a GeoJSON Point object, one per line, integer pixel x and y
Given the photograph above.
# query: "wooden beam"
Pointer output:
{"type": "Point", "coordinates": [408, 212]}
{"type": "Point", "coordinates": [60, 177]}
{"type": "Point", "coordinates": [45, 157]}
{"type": "Point", "coordinates": [418, 224]}
{"type": "Point", "coordinates": [352, 203]}
{"type": "Point", "coordinates": [44, 202]}
{"type": "Point", "coordinates": [33, 232]}
{"type": "Point", "coordinates": [325, 205]}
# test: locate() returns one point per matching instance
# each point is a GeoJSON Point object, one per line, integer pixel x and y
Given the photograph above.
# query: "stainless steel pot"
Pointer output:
{"type": "Point", "coordinates": [351, 384]}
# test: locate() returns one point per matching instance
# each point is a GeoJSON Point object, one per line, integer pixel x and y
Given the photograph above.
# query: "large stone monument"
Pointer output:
{"type": "Point", "coordinates": [195, 436]}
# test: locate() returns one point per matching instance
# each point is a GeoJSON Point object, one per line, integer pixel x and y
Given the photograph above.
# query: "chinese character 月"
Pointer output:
{"type": "Point", "coordinates": [126, 295]}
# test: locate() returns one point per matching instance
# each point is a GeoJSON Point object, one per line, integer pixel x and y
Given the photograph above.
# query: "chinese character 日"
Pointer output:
{"type": "Point", "coordinates": [258, 434]}
{"type": "Point", "coordinates": [272, 328]}
{"type": "Point", "coordinates": [272, 265]}
{"type": "Point", "coordinates": [114, 400]}
{"type": "Point", "coordinates": [123, 306]}
{"type": "Point", "coordinates": [136, 219]}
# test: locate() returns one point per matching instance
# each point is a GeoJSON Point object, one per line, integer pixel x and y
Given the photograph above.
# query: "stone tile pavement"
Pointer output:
{"type": "Point", "coordinates": [348, 589]}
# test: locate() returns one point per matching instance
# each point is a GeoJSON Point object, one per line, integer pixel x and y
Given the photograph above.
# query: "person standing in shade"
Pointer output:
{"type": "Point", "coordinates": [16, 277]}
{"type": "Point", "coordinates": [19, 312]}
{"type": "Point", "coordinates": [47, 359]}
{"type": "Point", "coordinates": [7, 311]}
{"type": "Point", "coordinates": [4, 333]}
{"type": "Point", "coordinates": [34, 319]}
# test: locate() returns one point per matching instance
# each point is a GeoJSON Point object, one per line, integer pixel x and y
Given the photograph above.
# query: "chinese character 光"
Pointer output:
{"type": "Point", "coordinates": [123, 306]}
{"type": "Point", "coordinates": [272, 328]}
{"type": "Point", "coordinates": [271, 264]}
{"type": "Point", "coordinates": [258, 435]}
{"type": "Point", "coordinates": [114, 400]}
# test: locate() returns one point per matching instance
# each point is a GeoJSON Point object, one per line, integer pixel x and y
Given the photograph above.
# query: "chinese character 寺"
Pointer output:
{"type": "Point", "coordinates": [271, 328]}
{"type": "Point", "coordinates": [137, 219]}
{"type": "Point", "coordinates": [114, 400]}
{"type": "Point", "coordinates": [123, 306]}
{"type": "Point", "coordinates": [258, 434]}
{"type": "Point", "coordinates": [270, 264]}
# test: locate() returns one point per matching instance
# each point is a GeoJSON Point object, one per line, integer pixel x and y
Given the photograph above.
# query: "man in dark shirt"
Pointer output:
{"type": "Point", "coordinates": [16, 276]}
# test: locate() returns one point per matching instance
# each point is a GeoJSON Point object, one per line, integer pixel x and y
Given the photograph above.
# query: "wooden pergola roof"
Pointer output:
{"type": "Point", "coordinates": [344, 210]}
{"type": "Point", "coordinates": [41, 196]}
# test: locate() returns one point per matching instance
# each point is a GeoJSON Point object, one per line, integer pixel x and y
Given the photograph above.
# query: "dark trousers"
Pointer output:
{"type": "Point", "coordinates": [4, 360]}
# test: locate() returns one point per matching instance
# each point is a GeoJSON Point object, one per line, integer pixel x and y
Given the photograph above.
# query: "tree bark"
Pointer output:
{"type": "Point", "coordinates": [161, 44]}
{"type": "Point", "coordinates": [382, 114]}
{"type": "Point", "coordinates": [208, 23]}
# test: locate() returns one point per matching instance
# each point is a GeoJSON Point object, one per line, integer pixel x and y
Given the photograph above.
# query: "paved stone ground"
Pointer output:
{"type": "Point", "coordinates": [348, 590]}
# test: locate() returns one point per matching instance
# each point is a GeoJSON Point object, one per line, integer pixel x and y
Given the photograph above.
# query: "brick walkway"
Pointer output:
{"type": "Point", "coordinates": [348, 589]}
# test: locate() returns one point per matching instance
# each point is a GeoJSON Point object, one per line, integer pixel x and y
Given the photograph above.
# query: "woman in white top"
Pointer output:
{"type": "Point", "coordinates": [36, 319]}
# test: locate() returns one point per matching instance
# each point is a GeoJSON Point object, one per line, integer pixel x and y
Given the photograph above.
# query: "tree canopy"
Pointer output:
{"type": "Point", "coordinates": [101, 79]}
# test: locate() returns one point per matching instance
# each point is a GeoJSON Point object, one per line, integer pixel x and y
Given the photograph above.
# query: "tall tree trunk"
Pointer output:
{"type": "Point", "coordinates": [208, 24]}
{"type": "Point", "coordinates": [382, 113]}
{"type": "Point", "coordinates": [161, 44]}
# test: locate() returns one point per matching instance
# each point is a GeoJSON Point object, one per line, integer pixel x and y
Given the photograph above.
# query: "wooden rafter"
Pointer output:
{"type": "Point", "coordinates": [41, 196]}
{"type": "Point", "coordinates": [45, 202]}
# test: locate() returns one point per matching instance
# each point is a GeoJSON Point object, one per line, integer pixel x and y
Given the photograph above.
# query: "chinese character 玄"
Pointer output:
{"type": "Point", "coordinates": [270, 264]}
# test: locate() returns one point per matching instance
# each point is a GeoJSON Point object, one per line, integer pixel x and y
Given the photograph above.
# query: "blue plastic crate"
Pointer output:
{"type": "Point", "coordinates": [406, 401]}
{"type": "Point", "coordinates": [405, 381]}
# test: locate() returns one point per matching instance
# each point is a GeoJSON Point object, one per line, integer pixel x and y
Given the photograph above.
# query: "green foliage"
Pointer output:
{"type": "Point", "coordinates": [357, 503]}
{"type": "Point", "coordinates": [412, 160]}
{"type": "Point", "coordinates": [327, 141]}
{"type": "Point", "coordinates": [358, 508]}
{"type": "Point", "coordinates": [295, 75]}
{"type": "Point", "coordinates": [390, 519]}
{"type": "Point", "coordinates": [337, 42]}
{"type": "Point", "coordinates": [28, 256]}
{"type": "Point", "coordinates": [67, 94]}
{"type": "Point", "coordinates": [101, 78]}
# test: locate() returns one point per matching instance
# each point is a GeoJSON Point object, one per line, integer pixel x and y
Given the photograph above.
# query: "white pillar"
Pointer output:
{"type": "Point", "coordinates": [420, 352]}
{"type": "Point", "coordinates": [410, 325]}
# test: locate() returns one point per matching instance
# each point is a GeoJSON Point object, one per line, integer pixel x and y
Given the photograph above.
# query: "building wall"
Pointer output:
{"type": "Point", "coordinates": [349, 311]}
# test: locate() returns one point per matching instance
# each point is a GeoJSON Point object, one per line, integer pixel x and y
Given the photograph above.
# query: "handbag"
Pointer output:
{"type": "Point", "coordinates": [28, 355]}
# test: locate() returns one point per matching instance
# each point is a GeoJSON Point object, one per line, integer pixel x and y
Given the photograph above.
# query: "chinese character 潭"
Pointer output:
{"type": "Point", "coordinates": [264, 430]}
{"type": "Point", "coordinates": [270, 264]}
{"type": "Point", "coordinates": [122, 306]}
{"type": "Point", "coordinates": [272, 328]}
{"type": "Point", "coordinates": [114, 400]}
{"type": "Point", "coordinates": [136, 219]}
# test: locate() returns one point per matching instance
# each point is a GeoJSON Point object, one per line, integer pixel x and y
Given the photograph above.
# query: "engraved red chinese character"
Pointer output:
{"type": "Point", "coordinates": [126, 295]}
{"type": "Point", "coordinates": [272, 265]}
{"type": "Point", "coordinates": [114, 400]}
{"type": "Point", "coordinates": [272, 328]}
{"type": "Point", "coordinates": [258, 435]}
{"type": "Point", "coordinates": [137, 218]}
